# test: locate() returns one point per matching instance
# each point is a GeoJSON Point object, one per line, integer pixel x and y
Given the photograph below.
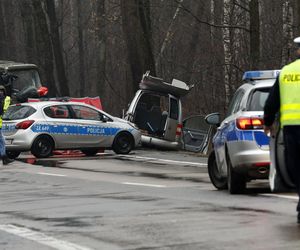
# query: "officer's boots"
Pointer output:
{"type": "Point", "coordinates": [6, 160]}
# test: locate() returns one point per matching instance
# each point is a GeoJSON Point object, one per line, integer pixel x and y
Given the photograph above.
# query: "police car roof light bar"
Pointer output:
{"type": "Point", "coordinates": [260, 74]}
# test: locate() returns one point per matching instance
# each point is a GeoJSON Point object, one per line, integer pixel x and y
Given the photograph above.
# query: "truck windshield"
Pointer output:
{"type": "Point", "coordinates": [25, 78]}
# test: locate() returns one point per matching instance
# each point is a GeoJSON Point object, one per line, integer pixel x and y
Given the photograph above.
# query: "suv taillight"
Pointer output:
{"type": "Point", "coordinates": [249, 123]}
{"type": "Point", "coordinates": [24, 124]}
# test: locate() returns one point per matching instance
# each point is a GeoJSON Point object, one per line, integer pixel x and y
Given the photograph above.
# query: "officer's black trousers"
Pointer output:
{"type": "Point", "coordinates": [292, 155]}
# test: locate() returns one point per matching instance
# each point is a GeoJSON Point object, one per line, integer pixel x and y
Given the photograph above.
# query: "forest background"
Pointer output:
{"type": "Point", "coordinates": [102, 47]}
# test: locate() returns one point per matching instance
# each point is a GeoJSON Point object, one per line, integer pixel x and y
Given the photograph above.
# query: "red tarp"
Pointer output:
{"type": "Point", "coordinates": [93, 101]}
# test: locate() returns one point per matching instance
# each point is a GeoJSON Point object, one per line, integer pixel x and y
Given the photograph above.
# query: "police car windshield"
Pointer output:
{"type": "Point", "coordinates": [18, 112]}
{"type": "Point", "coordinates": [258, 99]}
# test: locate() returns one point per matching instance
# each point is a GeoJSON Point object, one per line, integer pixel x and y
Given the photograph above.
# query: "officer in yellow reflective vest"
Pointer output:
{"type": "Point", "coordinates": [284, 96]}
{"type": "Point", "coordinates": [4, 104]}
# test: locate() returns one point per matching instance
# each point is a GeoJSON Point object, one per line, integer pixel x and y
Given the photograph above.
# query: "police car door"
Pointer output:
{"type": "Point", "coordinates": [62, 126]}
{"type": "Point", "coordinates": [93, 129]}
{"type": "Point", "coordinates": [227, 126]}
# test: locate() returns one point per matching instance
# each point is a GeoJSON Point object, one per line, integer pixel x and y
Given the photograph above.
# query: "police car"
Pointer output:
{"type": "Point", "coordinates": [41, 127]}
{"type": "Point", "coordinates": [240, 147]}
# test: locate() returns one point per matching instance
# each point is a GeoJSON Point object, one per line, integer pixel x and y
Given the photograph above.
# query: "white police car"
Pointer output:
{"type": "Point", "coordinates": [240, 147]}
{"type": "Point", "coordinates": [41, 127]}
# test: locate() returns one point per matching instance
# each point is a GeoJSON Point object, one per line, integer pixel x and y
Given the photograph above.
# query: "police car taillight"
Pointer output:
{"type": "Point", "coordinates": [249, 123]}
{"type": "Point", "coordinates": [24, 124]}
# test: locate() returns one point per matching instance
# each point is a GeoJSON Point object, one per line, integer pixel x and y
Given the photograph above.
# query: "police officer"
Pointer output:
{"type": "Point", "coordinates": [284, 96]}
{"type": "Point", "coordinates": [4, 103]}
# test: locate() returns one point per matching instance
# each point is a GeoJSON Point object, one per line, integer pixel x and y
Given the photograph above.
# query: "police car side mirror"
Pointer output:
{"type": "Point", "coordinates": [105, 119]}
{"type": "Point", "coordinates": [213, 119]}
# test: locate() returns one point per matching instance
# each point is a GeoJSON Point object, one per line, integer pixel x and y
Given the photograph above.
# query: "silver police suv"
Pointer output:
{"type": "Point", "coordinates": [41, 127]}
{"type": "Point", "coordinates": [240, 148]}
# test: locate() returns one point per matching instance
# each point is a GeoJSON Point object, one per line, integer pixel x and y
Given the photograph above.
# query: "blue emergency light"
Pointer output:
{"type": "Point", "coordinates": [260, 74]}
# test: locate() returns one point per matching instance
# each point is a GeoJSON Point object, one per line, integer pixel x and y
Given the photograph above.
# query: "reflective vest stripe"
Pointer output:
{"type": "Point", "coordinates": [5, 107]}
{"type": "Point", "coordinates": [290, 106]}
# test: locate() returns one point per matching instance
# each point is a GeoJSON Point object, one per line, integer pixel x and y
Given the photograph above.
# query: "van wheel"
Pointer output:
{"type": "Point", "coordinates": [42, 146]}
{"type": "Point", "coordinates": [123, 143]}
{"type": "Point", "coordinates": [236, 182]}
{"type": "Point", "coordinates": [12, 154]}
{"type": "Point", "coordinates": [90, 151]}
{"type": "Point", "coordinates": [215, 177]}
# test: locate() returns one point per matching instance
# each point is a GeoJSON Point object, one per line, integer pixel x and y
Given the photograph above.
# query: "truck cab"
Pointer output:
{"type": "Point", "coordinates": [21, 80]}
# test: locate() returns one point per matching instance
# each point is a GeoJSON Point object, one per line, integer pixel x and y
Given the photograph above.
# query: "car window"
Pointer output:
{"type": "Point", "coordinates": [174, 109]}
{"type": "Point", "coordinates": [86, 113]}
{"type": "Point", "coordinates": [196, 123]}
{"type": "Point", "coordinates": [235, 102]}
{"type": "Point", "coordinates": [18, 112]}
{"type": "Point", "coordinates": [258, 99]}
{"type": "Point", "coordinates": [58, 112]}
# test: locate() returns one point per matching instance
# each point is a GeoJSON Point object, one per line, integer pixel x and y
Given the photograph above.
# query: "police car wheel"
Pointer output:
{"type": "Point", "coordinates": [236, 182]}
{"type": "Point", "coordinates": [215, 177]}
{"type": "Point", "coordinates": [123, 143]}
{"type": "Point", "coordinates": [90, 151]}
{"type": "Point", "coordinates": [42, 146]}
{"type": "Point", "coordinates": [12, 154]}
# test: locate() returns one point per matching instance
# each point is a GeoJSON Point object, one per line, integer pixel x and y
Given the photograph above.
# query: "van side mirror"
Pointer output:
{"type": "Point", "coordinates": [213, 119]}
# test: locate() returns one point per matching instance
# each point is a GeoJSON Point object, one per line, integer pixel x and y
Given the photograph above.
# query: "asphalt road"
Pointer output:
{"type": "Point", "coordinates": [146, 200]}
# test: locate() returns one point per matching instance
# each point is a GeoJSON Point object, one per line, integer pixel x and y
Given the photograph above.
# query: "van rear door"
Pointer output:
{"type": "Point", "coordinates": [173, 119]}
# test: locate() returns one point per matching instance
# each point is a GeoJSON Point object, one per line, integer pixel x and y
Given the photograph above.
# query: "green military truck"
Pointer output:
{"type": "Point", "coordinates": [21, 80]}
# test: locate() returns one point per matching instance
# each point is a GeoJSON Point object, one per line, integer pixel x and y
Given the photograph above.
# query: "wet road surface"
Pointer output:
{"type": "Point", "coordinates": [147, 200]}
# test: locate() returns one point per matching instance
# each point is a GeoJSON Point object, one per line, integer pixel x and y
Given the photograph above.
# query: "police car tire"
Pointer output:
{"type": "Point", "coordinates": [42, 141]}
{"type": "Point", "coordinates": [218, 181]}
{"type": "Point", "coordinates": [12, 154]}
{"type": "Point", "coordinates": [123, 143]}
{"type": "Point", "coordinates": [236, 182]}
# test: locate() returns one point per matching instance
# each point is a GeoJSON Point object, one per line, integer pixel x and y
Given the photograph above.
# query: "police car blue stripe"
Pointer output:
{"type": "Point", "coordinates": [74, 130]}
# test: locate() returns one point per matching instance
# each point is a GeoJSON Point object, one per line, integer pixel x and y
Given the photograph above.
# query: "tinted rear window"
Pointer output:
{"type": "Point", "coordinates": [258, 99]}
{"type": "Point", "coordinates": [18, 112]}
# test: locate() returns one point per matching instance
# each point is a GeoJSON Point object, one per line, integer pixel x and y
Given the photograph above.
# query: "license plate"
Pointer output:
{"type": "Point", "coordinates": [8, 142]}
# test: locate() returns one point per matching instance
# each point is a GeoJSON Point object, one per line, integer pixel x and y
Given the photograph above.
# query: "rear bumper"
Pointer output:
{"type": "Point", "coordinates": [250, 160]}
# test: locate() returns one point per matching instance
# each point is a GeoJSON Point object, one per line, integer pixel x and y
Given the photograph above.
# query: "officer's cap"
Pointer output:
{"type": "Point", "coordinates": [297, 41]}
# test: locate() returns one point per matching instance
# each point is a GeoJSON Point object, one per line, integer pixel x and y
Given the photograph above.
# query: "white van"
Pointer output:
{"type": "Point", "coordinates": [156, 110]}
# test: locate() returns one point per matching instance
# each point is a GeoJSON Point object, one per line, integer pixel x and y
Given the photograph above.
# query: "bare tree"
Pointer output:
{"type": "Point", "coordinates": [137, 33]}
{"type": "Point", "coordinates": [57, 48]}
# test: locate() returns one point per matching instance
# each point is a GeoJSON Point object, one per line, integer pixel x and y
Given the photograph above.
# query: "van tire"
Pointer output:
{"type": "Point", "coordinates": [90, 151]}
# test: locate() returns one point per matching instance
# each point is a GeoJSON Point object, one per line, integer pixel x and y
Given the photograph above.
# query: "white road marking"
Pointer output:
{"type": "Point", "coordinates": [165, 160]}
{"type": "Point", "coordinates": [41, 238]}
{"type": "Point", "coordinates": [143, 184]}
{"type": "Point", "coordinates": [291, 197]}
{"type": "Point", "coordinates": [42, 173]}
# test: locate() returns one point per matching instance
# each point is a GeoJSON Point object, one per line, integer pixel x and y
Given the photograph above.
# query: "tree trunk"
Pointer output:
{"type": "Point", "coordinates": [43, 47]}
{"type": "Point", "coordinates": [57, 48]}
{"type": "Point", "coordinates": [81, 70]}
{"type": "Point", "coordinates": [137, 33]}
{"type": "Point", "coordinates": [101, 47]}
{"type": "Point", "coordinates": [254, 35]}
{"type": "Point", "coordinates": [27, 18]}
